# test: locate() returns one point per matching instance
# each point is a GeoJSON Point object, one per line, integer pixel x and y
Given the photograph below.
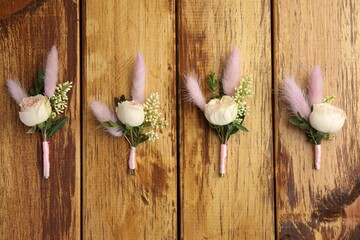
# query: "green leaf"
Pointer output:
{"type": "Point", "coordinates": [41, 125]}
{"type": "Point", "coordinates": [295, 121]}
{"type": "Point", "coordinates": [106, 124]}
{"type": "Point", "coordinates": [304, 126]}
{"type": "Point", "coordinates": [40, 78]}
{"type": "Point", "coordinates": [229, 134]}
{"type": "Point", "coordinates": [213, 85]}
{"type": "Point", "coordinates": [110, 124]}
{"type": "Point", "coordinates": [221, 90]}
{"type": "Point", "coordinates": [38, 86]}
{"type": "Point", "coordinates": [32, 130]}
{"type": "Point", "coordinates": [48, 123]}
{"type": "Point", "coordinates": [119, 100]}
{"type": "Point", "coordinates": [214, 126]}
{"type": "Point", "coordinates": [128, 127]}
{"type": "Point", "coordinates": [141, 139]}
{"type": "Point", "coordinates": [318, 139]}
{"type": "Point", "coordinates": [231, 129]}
{"type": "Point", "coordinates": [113, 124]}
{"type": "Point", "coordinates": [32, 92]}
{"type": "Point", "coordinates": [241, 127]}
{"type": "Point", "coordinates": [320, 136]}
{"type": "Point", "coordinates": [59, 124]}
{"type": "Point", "coordinates": [122, 98]}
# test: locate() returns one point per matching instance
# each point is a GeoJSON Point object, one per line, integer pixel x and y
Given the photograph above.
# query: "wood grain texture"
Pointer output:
{"type": "Point", "coordinates": [239, 206]}
{"type": "Point", "coordinates": [31, 207]}
{"type": "Point", "coordinates": [116, 204]}
{"type": "Point", "coordinates": [318, 204]}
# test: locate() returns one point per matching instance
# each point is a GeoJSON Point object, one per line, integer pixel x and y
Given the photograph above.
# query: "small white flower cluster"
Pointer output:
{"type": "Point", "coordinates": [60, 99]}
{"type": "Point", "coordinates": [238, 121]}
{"type": "Point", "coordinates": [242, 91]}
{"type": "Point", "coordinates": [152, 114]}
{"type": "Point", "coordinates": [162, 122]}
{"type": "Point", "coordinates": [153, 136]}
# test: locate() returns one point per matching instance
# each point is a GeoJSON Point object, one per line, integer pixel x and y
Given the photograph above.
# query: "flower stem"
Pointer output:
{"type": "Point", "coordinates": [127, 139]}
{"type": "Point", "coordinates": [131, 137]}
{"type": "Point", "coordinates": [313, 138]}
{"type": "Point", "coordinates": [46, 162]}
{"type": "Point", "coordinates": [43, 134]}
{"type": "Point", "coordinates": [223, 156]}
{"type": "Point", "coordinates": [317, 149]}
{"type": "Point", "coordinates": [223, 135]}
{"type": "Point", "coordinates": [132, 161]}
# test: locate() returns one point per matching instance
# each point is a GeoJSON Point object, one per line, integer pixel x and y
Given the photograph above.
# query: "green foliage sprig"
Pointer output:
{"type": "Point", "coordinates": [314, 136]}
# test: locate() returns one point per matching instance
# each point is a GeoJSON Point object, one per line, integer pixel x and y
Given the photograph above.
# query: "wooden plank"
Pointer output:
{"type": "Point", "coordinates": [118, 205]}
{"type": "Point", "coordinates": [315, 204]}
{"type": "Point", "coordinates": [239, 206]}
{"type": "Point", "coordinates": [31, 207]}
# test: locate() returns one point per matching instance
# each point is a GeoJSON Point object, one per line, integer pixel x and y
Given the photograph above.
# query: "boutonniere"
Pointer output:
{"type": "Point", "coordinates": [313, 113]}
{"type": "Point", "coordinates": [227, 108]}
{"type": "Point", "coordinates": [43, 106]}
{"type": "Point", "coordinates": [137, 120]}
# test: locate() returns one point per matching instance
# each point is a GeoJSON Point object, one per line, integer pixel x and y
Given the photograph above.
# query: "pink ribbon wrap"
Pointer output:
{"type": "Point", "coordinates": [223, 156]}
{"type": "Point", "coordinates": [317, 149]}
{"type": "Point", "coordinates": [46, 162]}
{"type": "Point", "coordinates": [132, 162]}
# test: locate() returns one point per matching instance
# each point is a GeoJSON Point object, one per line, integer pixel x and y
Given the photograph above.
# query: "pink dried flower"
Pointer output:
{"type": "Point", "coordinates": [315, 87]}
{"type": "Point", "coordinates": [295, 97]}
{"type": "Point", "coordinates": [51, 72]}
{"type": "Point", "coordinates": [138, 83]}
{"type": "Point", "coordinates": [193, 92]}
{"type": "Point", "coordinates": [231, 76]}
{"type": "Point", "coordinates": [16, 91]}
{"type": "Point", "coordinates": [103, 114]}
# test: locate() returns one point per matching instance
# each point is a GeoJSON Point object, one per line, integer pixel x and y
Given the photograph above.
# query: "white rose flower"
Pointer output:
{"type": "Point", "coordinates": [34, 110]}
{"type": "Point", "coordinates": [221, 111]}
{"type": "Point", "coordinates": [327, 118]}
{"type": "Point", "coordinates": [130, 113]}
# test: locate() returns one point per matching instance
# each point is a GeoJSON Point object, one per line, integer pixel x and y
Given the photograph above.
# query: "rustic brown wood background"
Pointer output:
{"type": "Point", "coordinates": [30, 207]}
{"type": "Point", "coordinates": [270, 190]}
{"type": "Point", "coordinates": [241, 205]}
{"type": "Point", "coordinates": [116, 205]}
{"type": "Point", "coordinates": [311, 204]}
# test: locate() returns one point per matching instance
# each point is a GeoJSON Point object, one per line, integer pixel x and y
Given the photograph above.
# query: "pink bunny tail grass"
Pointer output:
{"type": "Point", "coordinates": [138, 83]}
{"type": "Point", "coordinates": [193, 92]}
{"type": "Point", "coordinates": [114, 132]}
{"type": "Point", "coordinates": [51, 72]}
{"type": "Point", "coordinates": [231, 76]}
{"type": "Point", "coordinates": [16, 91]}
{"type": "Point", "coordinates": [295, 97]}
{"type": "Point", "coordinates": [102, 114]}
{"type": "Point", "coordinates": [315, 86]}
